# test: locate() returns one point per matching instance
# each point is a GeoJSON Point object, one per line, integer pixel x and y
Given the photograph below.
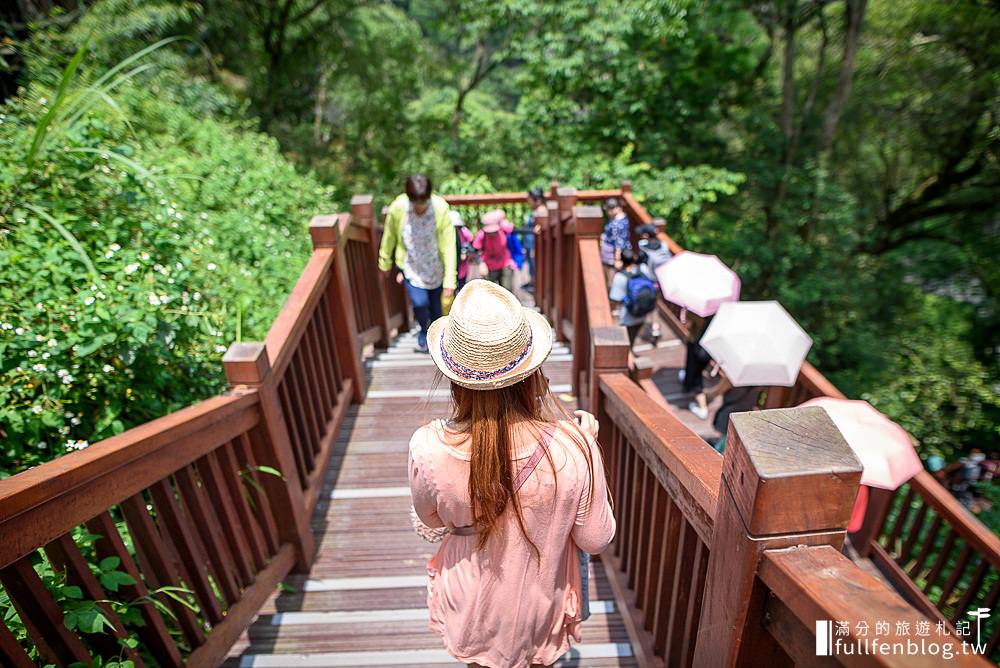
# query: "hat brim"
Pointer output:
{"type": "Point", "coordinates": [541, 346]}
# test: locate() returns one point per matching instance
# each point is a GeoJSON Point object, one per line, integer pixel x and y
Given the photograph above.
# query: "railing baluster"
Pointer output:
{"type": "Point", "coordinates": [12, 651]}
{"type": "Point", "coordinates": [262, 506]}
{"type": "Point", "coordinates": [913, 533]}
{"type": "Point", "coordinates": [956, 575]}
{"type": "Point", "coordinates": [653, 561]}
{"type": "Point", "coordinates": [636, 580]}
{"type": "Point", "coordinates": [942, 559]}
{"type": "Point", "coordinates": [153, 633]}
{"type": "Point", "coordinates": [665, 593]}
{"type": "Point", "coordinates": [190, 553]}
{"type": "Point", "coordinates": [929, 541]}
{"type": "Point", "coordinates": [156, 570]}
{"type": "Point", "coordinates": [215, 488]}
{"type": "Point", "coordinates": [231, 474]}
{"type": "Point", "coordinates": [207, 526]}
{"type": "Point", "coordinates": [41, 615]}
{"type": "Point", "coordinates": [297, 433]}
{"type": "Point", "coordinates": [65, 556]}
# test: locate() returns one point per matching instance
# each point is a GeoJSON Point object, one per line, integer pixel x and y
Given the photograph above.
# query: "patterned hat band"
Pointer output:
{"type": "Point", "coordinates": [476, 374]}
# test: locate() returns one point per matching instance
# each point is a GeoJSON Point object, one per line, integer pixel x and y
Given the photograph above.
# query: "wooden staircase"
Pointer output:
{"type": "Point", "coordinates": [364, 603]}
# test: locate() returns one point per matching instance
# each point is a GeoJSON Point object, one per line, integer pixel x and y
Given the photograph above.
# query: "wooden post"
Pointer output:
{"type": "Point", "coordinates": [362, 215]}
{"type": "Point", "coordinates": [248, 364]}
{"type": "Point", "coordinates": [541, 254]}
{"type": "Point", "coordinates": [325, 233]}
{"type": "Point", "coordinates": [608, 354]}
{"type": "Point", "coordinates": [550, 260]}
{"type": "Point", "coordinates": [788, 478]}
{"type": "Point", "coordinates": [876, 510]}
{"type": "Point", "coordinates": [563, 305]}
{"type": "Point", "coordinates": [777, 397]}
{"type": "Point", "coordinates": [588, 221]}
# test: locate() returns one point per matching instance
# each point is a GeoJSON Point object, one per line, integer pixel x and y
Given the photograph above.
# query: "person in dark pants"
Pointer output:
{"type": "Point", "coordinates": [735, 400]}
{"type": "Point", "coordinates": [695, 362]}
{"type": "Point", "coordinates": [537, 199]}
{"type": "Point", "coordinates": [419, 238]}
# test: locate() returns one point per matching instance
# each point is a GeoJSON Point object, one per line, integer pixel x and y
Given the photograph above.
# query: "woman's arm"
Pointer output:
{"type": "Point", "coordinates": [422, 491]}
{"type": "Point", "coordinates": [595, 521]}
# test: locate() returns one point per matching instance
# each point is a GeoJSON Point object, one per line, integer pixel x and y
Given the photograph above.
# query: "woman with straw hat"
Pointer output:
{"type": "Point", "coordinates": [514, 483]}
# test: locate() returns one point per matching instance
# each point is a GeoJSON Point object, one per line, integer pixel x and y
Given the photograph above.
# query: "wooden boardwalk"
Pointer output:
{"type": "Point", "coordinates": [364, 601]}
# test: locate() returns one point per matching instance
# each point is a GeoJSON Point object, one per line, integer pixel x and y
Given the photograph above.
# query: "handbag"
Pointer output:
{"type": "Point", "coordinates": [435, 534]}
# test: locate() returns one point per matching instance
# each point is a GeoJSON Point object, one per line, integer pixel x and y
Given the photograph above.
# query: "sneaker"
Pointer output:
{"type": "Point", "coordinates": [698, 411]}
{"type": "Point", "coordinates": [421, 348]}
{"type": "Point", "coordinates": [681, 375]}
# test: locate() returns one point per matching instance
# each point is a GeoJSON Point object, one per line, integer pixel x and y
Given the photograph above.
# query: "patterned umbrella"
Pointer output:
{"type": "Point", "coordinates": [699, 283]}
{"type": "Point", "coordinates": [757, 343]}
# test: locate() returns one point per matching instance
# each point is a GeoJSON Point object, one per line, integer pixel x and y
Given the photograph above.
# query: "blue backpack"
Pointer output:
{"type": "Point", "coordinates": [640, 294]}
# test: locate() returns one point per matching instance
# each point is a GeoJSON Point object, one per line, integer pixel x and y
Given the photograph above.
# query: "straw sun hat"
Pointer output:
{"type": "Point", "coordinates": [489, 340]}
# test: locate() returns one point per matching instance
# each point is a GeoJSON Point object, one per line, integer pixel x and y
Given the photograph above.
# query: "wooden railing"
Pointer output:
{"type": "Point", "coordinates": [718, 561]}
{"type": "Point", "coordinates": [938, 555]}
{"type": "Point", "coordinates": [192, 519]}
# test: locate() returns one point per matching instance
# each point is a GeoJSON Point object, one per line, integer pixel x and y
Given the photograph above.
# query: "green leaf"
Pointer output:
{"type": "Point", "coordinates": [113, 579]}
{"type": "Point", "coordinates": [43, 125]}
{"type": "Point", "coordinates": [72, 591]}
{"type": "Point", "coordinates": [270, 471]}
{"type": "Point", "coordinates": [109, 563]}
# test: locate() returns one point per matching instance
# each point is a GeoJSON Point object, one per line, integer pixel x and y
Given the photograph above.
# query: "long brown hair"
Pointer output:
{"type": "Point", "coordinates": [488, 417]}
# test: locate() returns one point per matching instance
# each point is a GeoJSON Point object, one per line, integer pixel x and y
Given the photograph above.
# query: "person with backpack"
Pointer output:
{"type": "Point", "coordinates": [649, 243]}
{"type": "Point", "coordinates": [496, 260]}
{"type": "Point", "coordinates": [634, 289]}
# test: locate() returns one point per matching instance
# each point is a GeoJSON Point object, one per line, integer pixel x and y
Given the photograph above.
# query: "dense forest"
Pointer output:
{"type": "Point", "coordinates": [161, 159]}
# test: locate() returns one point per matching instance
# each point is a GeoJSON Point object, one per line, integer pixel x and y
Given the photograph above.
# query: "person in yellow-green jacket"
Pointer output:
{"type": "Point", "coordinates": [419, 238]}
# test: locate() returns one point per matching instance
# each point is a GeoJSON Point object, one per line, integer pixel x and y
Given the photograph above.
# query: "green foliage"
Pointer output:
{"type": "Point", "coordinates": [133, 252]}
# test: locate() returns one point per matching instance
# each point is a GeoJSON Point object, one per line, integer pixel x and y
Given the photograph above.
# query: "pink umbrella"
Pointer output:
{"type": "Point", "coordinates": [698, 282]}
{"type": "Point", "coordinates": [884, 448]}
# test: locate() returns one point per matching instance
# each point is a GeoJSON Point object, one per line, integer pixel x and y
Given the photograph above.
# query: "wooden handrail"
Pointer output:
{"type": "Point", "coordinates": [42, 503]}
{"type": "Point", "coordinates": [926, 490]}
{"type": "Point", "coordinates": [821, 584]}
{"type": "Point", "coordinates": [682, 462]}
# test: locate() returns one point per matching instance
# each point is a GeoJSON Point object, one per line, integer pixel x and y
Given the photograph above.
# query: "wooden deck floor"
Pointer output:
{"type": "Point", "coordinates": [364, 602]}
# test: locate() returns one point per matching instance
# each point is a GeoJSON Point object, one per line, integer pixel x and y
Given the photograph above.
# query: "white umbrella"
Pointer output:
{"type": "Point", "coordinates": [757, 343]}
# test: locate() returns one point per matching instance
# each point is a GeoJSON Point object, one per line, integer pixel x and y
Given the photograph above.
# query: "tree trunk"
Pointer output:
{"type": "Point", "coordinates": [854, 12]}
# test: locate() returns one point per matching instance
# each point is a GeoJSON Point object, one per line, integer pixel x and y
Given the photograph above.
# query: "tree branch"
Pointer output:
{"type": "Point", "coordinates": [853, 14]}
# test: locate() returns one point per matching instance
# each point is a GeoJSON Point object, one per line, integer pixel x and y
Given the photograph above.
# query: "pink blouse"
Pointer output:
{"type": "Point", "coordinates": [502, 607]}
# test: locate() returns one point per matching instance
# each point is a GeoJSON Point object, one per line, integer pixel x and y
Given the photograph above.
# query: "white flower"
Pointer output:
{"type": "Point", "coordinates": [36, 409]}
{"type": "Point", "coordinates": [39, 367]}
{"type": "Point", "coordinates": [52, 343]}
{"type": "Point", "coordinates": [101, 295]}
{"type": "Point", "coordinates": [74, 421]}
{"type": "Point", "coordinates": [220, 349]}
{"type": "Point", "coordinates": [211, 266]}
{"type": "Point", "coordinates": [143, 255]}
{"type": "Point", "coordinates": [62, 372]}
{"type": "Point", "coordinates": [131, 269]}
{"type": "Point", "coordinates": [6, 325]}
{"type": "Point", "coordinates": [88, 301]}
{"type": "Point", "coordinates": [115, 247]}
{"type": "Point", "coordinates": [196, 296]}
{"type": "Point", "coordinates": [204, 216]}
{"type": "Point", "coordinates": [107, 368]}
{"type": "Point", "coordinates": [67, 380]}
{"type": "Point", "coordinates": [42, 445]}
{"type": "Point", "coordinates": [45, 356]}
{"type": "Point", "coordinates": [19, 331]}
{"type": "Point", "coordinates": [153, 299]}
{"type": "Point", "coordinates": [63, 430]}
{"type": "Point", "coordinates": [108, 254]}
{"type": "Point", "coordinates": [76, 445]}
{"type": "Point", "coordinates": [179, 265]}
{"type": "Point", "coordinates": [31, 353]}
{"type": "Point", "coordinates": [39, 338]}
{"type": "Point", "coordinates": [70, 414]}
